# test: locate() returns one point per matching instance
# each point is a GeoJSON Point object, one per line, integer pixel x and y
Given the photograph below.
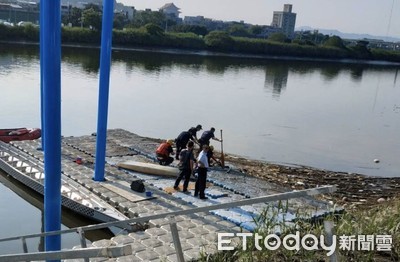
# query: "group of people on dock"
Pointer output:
{"type": "Point", "coordinates": [190, 161]}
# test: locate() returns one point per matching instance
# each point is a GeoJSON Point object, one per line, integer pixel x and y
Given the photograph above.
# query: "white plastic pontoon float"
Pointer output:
{"type": "Point", "coordinates": [74, 196]}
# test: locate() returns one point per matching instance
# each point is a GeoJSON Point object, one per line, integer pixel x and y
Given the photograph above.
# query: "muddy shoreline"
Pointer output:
{"type": "Point", "coordinates": [353, 190]}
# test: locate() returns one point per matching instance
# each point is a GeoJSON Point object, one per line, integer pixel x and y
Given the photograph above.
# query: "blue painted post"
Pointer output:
{"type": "Point", "coordinates": [51, 81]}
{"type": "Point", "coordinates": [104, 86]}
{"type": "Point", "coordinates": [41, 77]}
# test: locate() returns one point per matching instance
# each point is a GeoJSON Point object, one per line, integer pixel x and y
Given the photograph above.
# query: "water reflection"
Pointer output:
{"type": "Point", "coordinates": [29, 52]}
{"type": "Point", "coordinates": [276, 72]}
{"type": "Point", "coordinates": [12, 57]}
{"type": "Point", "coordinates": [276, 78]}
{"type": "Point", "coordinates": [357, 73]}
{"type": "Point", "coordinates": [69, 220]}
{"type": "Point", "coordinates": [329, 74]}
{"type": "Point", "coordinates": [87, 58]}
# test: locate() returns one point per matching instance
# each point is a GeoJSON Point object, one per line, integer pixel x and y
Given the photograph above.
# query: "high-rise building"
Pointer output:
{"type": "Point", "coordinates": [285, 20]}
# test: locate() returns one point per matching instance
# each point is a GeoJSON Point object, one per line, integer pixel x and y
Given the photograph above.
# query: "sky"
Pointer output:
{"type": "Point", "coordinates": [374, 17]}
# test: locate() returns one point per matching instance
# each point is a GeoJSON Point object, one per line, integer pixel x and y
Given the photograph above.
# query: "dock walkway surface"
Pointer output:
{"type": "Point", "coordinates": [197, 232]}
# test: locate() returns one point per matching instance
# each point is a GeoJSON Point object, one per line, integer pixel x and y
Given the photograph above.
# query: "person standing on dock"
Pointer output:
{"type": "Point", "coordinates": [186, 162]}
{"type": "Point", "coordinates": [193, 132]}
{"type": "Point", "coordinates": [184, 137]}
{"type": "Point", "coordinates": [164, 151]}
{"type": "Point", "coordinates": [207, 136]}
{"type": "Point", "coordinates": [201, 181]}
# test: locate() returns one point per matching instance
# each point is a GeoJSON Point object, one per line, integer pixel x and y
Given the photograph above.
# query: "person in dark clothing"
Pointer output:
{"type": "Point", "coordinates": [184, 137]}
{"type": "Point", "coordinates": [163, 151]}
{"type": "Point", "coordinates": [181, 142]}
{"type": "Point", "coordinates": [201, 181]}
{"type": "Point", "coordinates": [193, 132]}
{"type": "Point", "coordinates": [207, 136]}
{"type": "Point", "coordinates": [186, 162]}
{"type": "Point", "coordinates": [212, 160]}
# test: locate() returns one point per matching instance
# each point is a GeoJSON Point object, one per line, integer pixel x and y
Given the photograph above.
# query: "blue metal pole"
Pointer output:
{"type": "Point", "coordinates": [104, 86]}
{"type": "Point", "coordinates": [41, 75]}
{"type": "Point", "coordinates": [51, 79]}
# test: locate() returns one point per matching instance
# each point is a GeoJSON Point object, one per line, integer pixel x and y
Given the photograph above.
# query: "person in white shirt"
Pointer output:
{"type": "Point", "coordinates": [201, 181]}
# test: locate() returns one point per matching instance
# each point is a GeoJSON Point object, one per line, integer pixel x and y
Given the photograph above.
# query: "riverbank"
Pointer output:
{"type": "Point", "coordinates": [353, 190]}
{"type": "Point", "coordinates": [206, 53]}
{"type": "Point", "coordinates": [219, 41]}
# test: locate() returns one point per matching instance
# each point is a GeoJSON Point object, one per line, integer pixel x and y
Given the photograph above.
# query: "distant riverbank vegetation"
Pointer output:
{"type": "Point", "coordinates": [152, 29]}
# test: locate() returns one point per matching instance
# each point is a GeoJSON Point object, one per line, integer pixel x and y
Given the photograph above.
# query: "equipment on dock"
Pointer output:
{"type": "Point", "coordinates": [19, 134]}
{"type": "Point", "coordinates": [222, 152]}
{"type": "Point", "coordinates": [148, 168]}
{"type": "Point", "coordinates": [138, 186]}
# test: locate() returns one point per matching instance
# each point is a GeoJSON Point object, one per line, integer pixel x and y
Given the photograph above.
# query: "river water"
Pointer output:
{"type": "Point", "coordinates": [333, 116]}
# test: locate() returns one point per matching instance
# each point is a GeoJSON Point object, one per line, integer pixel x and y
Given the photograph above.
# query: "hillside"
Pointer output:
{"type": "Point", "coordinates": [348, 35]}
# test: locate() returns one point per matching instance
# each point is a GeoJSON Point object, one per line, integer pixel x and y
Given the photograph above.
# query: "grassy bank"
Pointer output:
{"type": "Point", "coordinates": [152, 36]}
{"type": "Point", "coordinates": [375, 221]}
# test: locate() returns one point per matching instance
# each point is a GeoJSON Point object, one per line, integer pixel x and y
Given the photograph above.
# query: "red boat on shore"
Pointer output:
{"type": "Point", "coordinates": [19, 134]}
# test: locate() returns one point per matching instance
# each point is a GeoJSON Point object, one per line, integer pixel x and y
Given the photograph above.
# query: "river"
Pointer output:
{"type": "Point", "coordinates": [334, 116]}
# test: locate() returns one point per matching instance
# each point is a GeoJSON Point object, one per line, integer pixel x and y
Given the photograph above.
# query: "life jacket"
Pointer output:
{"type": "Point", "coordinates": [163, 149]}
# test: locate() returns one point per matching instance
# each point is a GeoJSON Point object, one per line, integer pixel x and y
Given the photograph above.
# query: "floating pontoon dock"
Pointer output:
{"type": "Point", "coordinates": [113, 200]}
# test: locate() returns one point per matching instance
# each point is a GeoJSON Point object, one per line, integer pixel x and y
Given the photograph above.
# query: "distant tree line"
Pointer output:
{"type": "Point", "coordinates": [155, 29]}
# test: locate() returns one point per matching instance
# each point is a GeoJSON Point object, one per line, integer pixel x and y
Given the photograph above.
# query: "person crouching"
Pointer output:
{"type": "Point", "coordinates": [163, 153]}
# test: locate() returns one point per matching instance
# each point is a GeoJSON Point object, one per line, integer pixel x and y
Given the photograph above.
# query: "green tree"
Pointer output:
{"type": "Point", "coordinates": [153, 29]}
{"type": "Point", "coordinates": [256, 30]}
{"type": "Point", "coordinates": [168, 23]}
{"type": "Point", "coordinates": [92, 18]}
{"type": "Point", "coordinates": [311, 38]}
{"type": "Point", "coordinates": [93, 6]}
{"type": "Point", "coordinates": [334, 41]}
{"type": "Point", "coordinates": [196, 29]}
{"type": "Point", "coordinates": [277, 37]}
{"type": "Point", "coordinates": [238, 30]}
{"type": "Point", "coordinates": [74, 17]}
{"type": "Point", "coordinates": [302, 42]}
{"type": "Point", "coordinates": [120, 21]}
{"type": "Point", "coordinates": [361, 49]}
{"type": "Point", "coordinates": [143, 18]}
{"type": "Point", "coordinates": [219, 40]}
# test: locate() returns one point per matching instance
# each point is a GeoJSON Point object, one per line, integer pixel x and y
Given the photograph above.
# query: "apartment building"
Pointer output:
{"type": "Point", "coordinates": [285, 20]}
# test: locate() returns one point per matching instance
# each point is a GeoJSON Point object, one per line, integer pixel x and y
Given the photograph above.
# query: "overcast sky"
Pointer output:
{"type": "Point", "coordinates": [375, 17]}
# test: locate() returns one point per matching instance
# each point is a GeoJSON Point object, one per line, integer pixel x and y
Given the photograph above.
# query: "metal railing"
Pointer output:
{"type": "Point", "coordinates": [127, 250]}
